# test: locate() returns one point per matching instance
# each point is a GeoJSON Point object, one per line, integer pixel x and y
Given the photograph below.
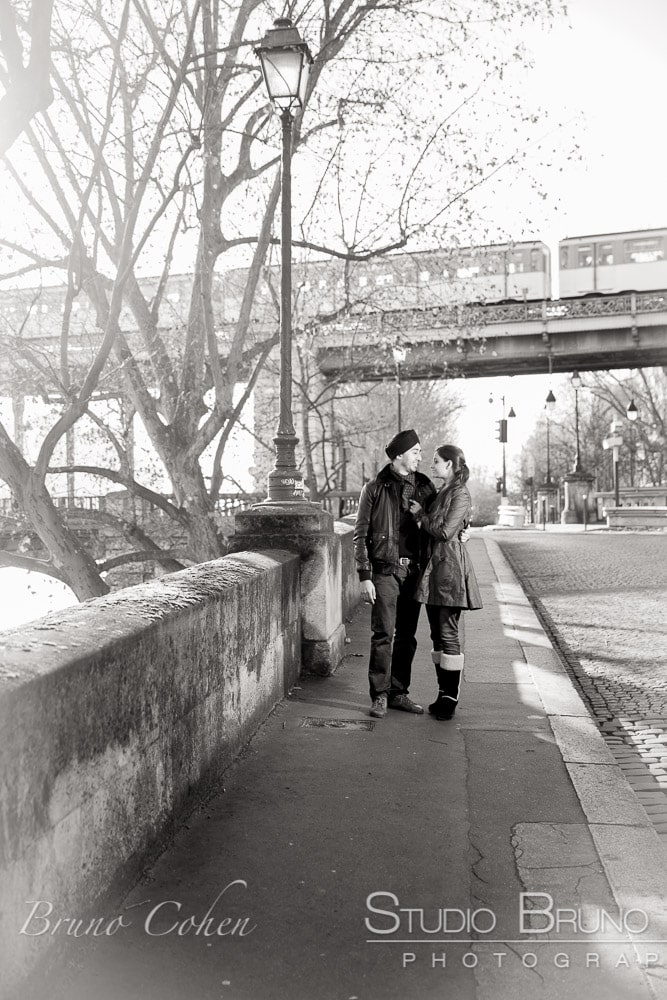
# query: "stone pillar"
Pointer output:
{"type": "Point", "coordinates": [577, 486]}
{"type": "Point", "coordinates": [546, 498]}
{"type": "Point", "coordinates": [306, 528]}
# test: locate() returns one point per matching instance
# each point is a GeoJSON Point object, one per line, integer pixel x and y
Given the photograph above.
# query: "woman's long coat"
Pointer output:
{"type": "Point", "coordinates": [448, 577]}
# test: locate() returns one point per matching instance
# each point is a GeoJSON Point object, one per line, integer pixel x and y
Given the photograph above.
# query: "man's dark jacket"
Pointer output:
{"type": "Point", "coordinates": [376, 532]}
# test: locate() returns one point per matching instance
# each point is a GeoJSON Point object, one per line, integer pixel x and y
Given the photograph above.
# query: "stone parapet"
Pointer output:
{"type": "Point", "coordinates": [118, 716]}
{"type": "Point", "coordinates": [636, 517]}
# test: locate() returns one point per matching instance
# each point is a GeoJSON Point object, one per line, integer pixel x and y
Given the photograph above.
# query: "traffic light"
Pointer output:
{"type": "Point", "coordinates": [501, 432]}
{"type": "Point", "coordinates": [499, 484]}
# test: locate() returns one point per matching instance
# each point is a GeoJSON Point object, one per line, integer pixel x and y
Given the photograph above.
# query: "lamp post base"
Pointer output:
{"type": "Point", "coordinates": [285, 482]}
{"type": "Point", "coordinates": [306, 529]}
{"type": "Point", "coordinates": [578, 488]}
{"type": "Point", "coordinates": [285, 485]}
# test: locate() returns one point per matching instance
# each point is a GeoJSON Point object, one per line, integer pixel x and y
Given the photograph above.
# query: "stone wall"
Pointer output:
{"type": "Point", "coordinates": [118, 716]}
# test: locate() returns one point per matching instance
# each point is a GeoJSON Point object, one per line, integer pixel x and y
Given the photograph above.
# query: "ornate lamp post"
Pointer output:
{"type": "Point", "coordinates": [285, 59]}
{"type": "Point", "coordinates": [286, 520]}
{"type": "Point", "coordinates": [399, 355]}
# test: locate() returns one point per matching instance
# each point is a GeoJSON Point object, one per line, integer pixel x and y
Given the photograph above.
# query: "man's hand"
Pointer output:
{"type": "Point", "coordinates": [368, 591]}
{"type": "Point", "coordinates": [415, 508]}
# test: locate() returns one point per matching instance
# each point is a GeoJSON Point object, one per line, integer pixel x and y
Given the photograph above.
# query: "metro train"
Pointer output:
{"type": "Point", "coordinates": [599, 264]}
{"type": "Point", "coordinates": [613, 262]}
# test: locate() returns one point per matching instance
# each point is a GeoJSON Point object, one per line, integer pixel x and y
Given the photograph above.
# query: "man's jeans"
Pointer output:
{"type": "Point", "coordinates": [394, 620]}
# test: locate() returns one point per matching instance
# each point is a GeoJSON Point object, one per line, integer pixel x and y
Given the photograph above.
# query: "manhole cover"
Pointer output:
{"type": "Point", "coordinates": [338, 723]}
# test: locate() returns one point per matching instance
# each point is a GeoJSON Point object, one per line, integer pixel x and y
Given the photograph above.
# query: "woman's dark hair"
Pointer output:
{"type": "Point", "coordinates": [450, 453]}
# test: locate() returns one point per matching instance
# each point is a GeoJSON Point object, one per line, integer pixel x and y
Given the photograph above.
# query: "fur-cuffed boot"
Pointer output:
{"type": "Point", "coordinates": [449, 684]}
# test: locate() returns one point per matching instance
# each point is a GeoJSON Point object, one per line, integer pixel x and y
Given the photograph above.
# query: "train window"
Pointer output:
{"type": "Point", "coordinates": [644, 251]}
{"type": "Point", "coordinates": [605, 253]}
{"type": "Point", "coordinates": [516, 264]}
{"type": "Point", "coordinates": [493, 264]}
{"type": "Point", "coordinates": [467, 272]}
{"type": "Point", "coordinates": [585, 255]}
{"type": "Point", "coordinates": [535, 259]}
{"type": "Point", "coordinates": [564, 258]}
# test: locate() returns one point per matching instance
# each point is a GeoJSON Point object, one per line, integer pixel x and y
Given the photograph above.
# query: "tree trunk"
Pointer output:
{"type": "Point", "coordinates": [76, 565]}
{"type": "Point", "coordinates": [191, 495]}
{"type": "Point", "coordinates": [70, 558]}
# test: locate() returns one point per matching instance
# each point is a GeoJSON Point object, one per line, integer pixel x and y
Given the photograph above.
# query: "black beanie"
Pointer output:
{"type": "Point", "coordinates": [401, 442]}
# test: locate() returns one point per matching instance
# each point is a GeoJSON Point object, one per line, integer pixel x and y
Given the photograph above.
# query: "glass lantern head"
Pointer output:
{"type": "Point", "coordinates": [285, 60]}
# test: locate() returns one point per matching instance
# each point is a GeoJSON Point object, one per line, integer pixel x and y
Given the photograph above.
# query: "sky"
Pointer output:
{"type": "Point", "coordinates": [604, 68]}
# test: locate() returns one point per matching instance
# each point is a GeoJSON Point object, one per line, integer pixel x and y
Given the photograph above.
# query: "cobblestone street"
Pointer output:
{"type": "Point", "coordinates": [602, 598]}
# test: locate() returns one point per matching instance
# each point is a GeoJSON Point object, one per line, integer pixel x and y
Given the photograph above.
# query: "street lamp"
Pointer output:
{"type": "Point", "coordinates": [548, 406]}
{"type": "Point", "coordinates": [632, 414]}
{"type": "Point", "coordinates": [399, 355]}
{"type": "Point", "coordinates": [576, 384]}
{"type": "Point", "coordinates": [285, 60]}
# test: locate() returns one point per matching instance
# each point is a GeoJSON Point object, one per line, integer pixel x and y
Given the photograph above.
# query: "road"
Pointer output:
{"type": "Point", "coordinates": [602, 597]}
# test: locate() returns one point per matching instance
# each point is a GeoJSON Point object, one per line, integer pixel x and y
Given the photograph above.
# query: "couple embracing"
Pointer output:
{"type": "Point", "coordinates": [409, 551]}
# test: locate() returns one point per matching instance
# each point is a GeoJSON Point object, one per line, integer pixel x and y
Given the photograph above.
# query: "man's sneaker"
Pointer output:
{"type": "Point", "coordinates": [405, 704]}
{"type": "Point", "coordinates": [379, 707]}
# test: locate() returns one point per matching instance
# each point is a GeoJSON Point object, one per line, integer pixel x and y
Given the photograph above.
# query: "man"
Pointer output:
{"type": "Point", "coordinates": [386, 547]}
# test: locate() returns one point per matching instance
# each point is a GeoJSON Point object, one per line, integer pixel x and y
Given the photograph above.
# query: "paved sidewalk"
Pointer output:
{"type": "Point", "coordinates": [365, 859]}
{"type": "Point", "coordinates": [602, 599]}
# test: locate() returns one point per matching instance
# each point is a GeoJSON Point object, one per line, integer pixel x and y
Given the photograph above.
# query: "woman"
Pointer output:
{"type": "Point", "coordinates": [447, 585]}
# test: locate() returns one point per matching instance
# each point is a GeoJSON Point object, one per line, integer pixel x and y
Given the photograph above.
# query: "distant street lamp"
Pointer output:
{"type": "Point", "coordinates": [576, 384]}
{"type": "Point", "coordinates": [632, 413]}
{"type": "Point", "coordinates": [285, 60]}
{"type": "Point", "coordinates": [548, 406]}
{"type": "Point", "coordinates": [399, 355]}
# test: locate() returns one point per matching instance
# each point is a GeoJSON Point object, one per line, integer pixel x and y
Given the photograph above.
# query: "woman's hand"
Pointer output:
{"type": "Point", "coordinates": [415, 508]}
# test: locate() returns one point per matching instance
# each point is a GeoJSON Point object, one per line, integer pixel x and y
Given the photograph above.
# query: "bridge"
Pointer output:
{"type": "Point", "coordinates": [626, 330]}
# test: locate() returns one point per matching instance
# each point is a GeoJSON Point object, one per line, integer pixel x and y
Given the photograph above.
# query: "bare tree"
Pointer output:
{"type": "Point", "coordinates": [603, 398]}
{"type": "Point", "coordinates": [159, 147]}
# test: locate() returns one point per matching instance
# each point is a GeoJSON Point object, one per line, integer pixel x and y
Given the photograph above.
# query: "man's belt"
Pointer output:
{"type": "Point", "coordinates": [406, 561]}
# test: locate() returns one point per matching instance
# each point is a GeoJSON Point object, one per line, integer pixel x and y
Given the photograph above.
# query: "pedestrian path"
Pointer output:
{"type": "Point", "coordinates": [498, 855]}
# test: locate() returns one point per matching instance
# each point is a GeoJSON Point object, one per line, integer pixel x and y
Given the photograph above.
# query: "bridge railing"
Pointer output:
{"type": "Point", "coordinates": [485, 314]}
{"type": "Point", "coordinates": [339, 503]}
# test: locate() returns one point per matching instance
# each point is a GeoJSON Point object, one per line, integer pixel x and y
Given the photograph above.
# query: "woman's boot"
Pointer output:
{"type": "Point", "coordinates": [449, 683]}
{"type": "Point", "coordinates": [439, 705]}
{"type": "Point", "coordinates": [436, 657]}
